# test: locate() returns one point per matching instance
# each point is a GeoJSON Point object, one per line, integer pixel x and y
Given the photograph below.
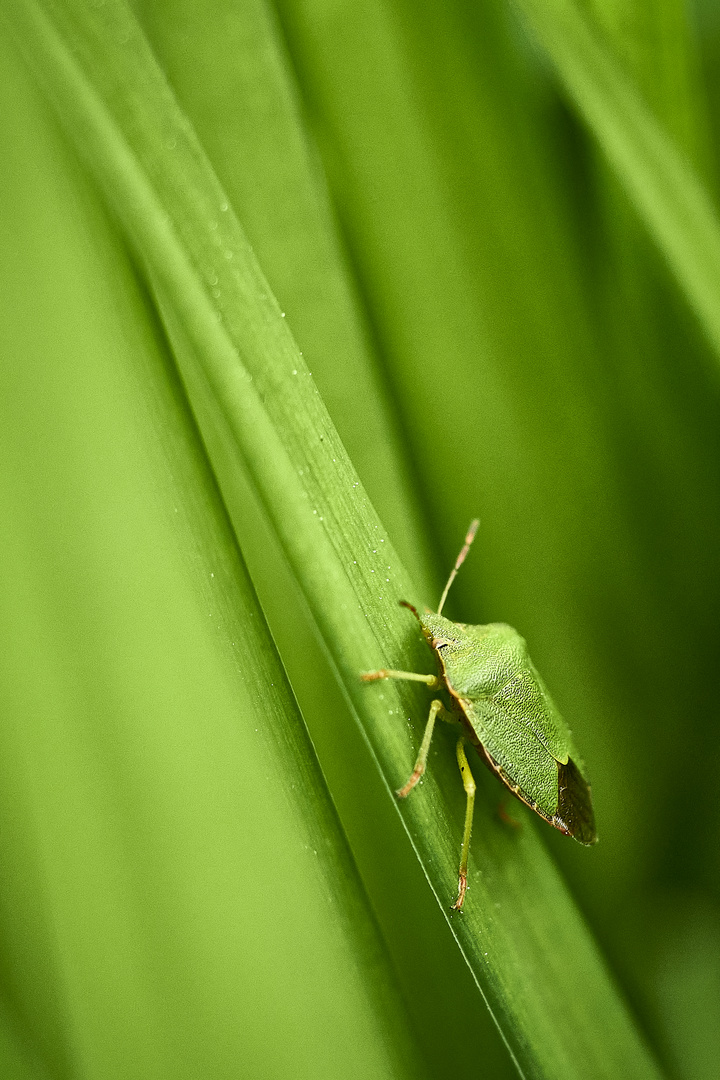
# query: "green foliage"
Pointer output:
{"type": "Point", "coordinates": [493, 241]}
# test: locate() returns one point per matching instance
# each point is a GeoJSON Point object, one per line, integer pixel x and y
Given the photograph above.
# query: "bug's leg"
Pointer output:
{"type": "Point", "coordinates": [469, 785]}
{"type": "Point", "coordinates": [435, 707]}
{"type": "Point", "coordinates": [388, 673]}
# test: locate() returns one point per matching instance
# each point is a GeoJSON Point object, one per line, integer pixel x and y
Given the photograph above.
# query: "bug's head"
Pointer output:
{"type": "Point", "coordinates": [440, 631]}
{"type": "Point", "coordinates": [437, 629]}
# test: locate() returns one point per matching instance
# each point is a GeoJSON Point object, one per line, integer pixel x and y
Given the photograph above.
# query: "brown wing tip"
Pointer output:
{"type": "Point", "coordinates": [574, 814]}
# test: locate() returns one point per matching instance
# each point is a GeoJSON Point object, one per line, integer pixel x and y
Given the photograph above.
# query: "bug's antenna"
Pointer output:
{"type": "Point", "coordinates": [474, 525]}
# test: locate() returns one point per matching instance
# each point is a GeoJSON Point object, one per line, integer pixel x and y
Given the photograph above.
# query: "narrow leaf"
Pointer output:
{"type": "Point", "coordinates": [666, 191]}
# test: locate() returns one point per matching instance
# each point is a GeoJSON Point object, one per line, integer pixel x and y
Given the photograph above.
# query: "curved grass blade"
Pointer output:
{"type": "Point", "coordinates": [661, 182]}
{"type": "Point", "coordinates": [175, 878]}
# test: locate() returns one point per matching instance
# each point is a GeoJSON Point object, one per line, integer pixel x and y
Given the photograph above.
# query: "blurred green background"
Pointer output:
{"type": "Point", "coordinates": [496, 331]}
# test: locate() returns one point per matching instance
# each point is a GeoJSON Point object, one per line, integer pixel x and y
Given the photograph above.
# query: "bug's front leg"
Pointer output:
{"type": "Point", "coordinates": [388, 673]}
{"type": "Point", "coordinates": [469, 785]}
{"type": "Point", "coordinates": [435, 708]}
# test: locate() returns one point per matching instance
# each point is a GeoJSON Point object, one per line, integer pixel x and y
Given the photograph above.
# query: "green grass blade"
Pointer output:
{"type": "Point", "coordinates": [521, 934]}
{"type": "Point", "coordinates": [17, 1059]}
{"type": "Point", "coordinates": [178, 899]}
{"type": "Point", "coordinates": [655, 44]}
{"type": "Point", "coordinates": [661, 182]}
{"type": "Point", "coordinates": [228, 66]}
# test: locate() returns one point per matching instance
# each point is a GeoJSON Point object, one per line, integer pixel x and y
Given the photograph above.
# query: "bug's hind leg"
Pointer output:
{"type": "Point", "coordinates": [469, 785]}
{"type": "Point", "coordinates": [435, 707]}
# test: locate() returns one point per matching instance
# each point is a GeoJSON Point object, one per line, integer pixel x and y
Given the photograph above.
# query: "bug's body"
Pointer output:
{"type": "Point", "coordinates": [505, 711]}
{"type": "Point", "coordinates": [512, 721]}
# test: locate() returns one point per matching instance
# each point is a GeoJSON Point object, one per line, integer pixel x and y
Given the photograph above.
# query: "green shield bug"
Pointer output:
{"type": "Point", "coordinates": [491, 689]}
